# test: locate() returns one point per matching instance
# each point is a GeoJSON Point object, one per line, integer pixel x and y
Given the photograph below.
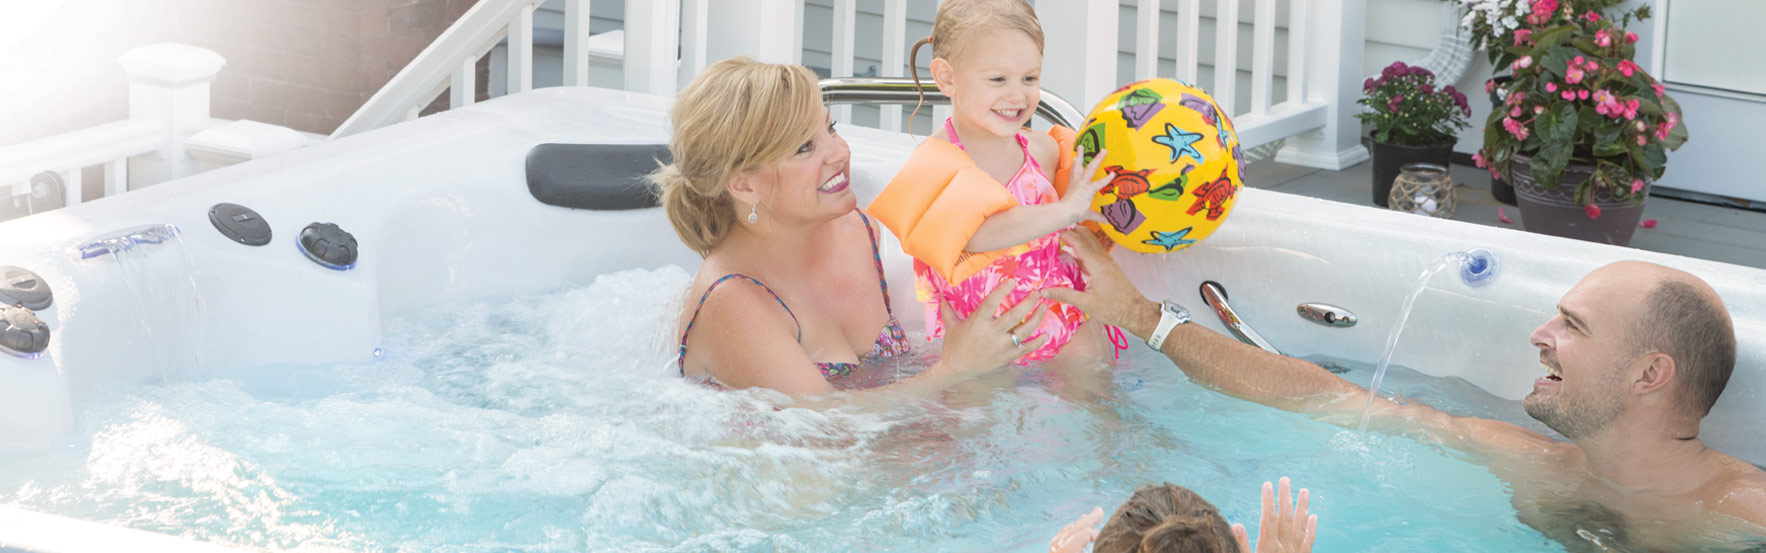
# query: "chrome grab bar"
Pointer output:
{"type": "Point", "coordinates": [1215, 296]}
{"type": "Point", "coordinates": [903, 91]}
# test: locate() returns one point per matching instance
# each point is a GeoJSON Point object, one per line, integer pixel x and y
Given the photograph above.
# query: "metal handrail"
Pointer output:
{"type": "Point", "coordinates": [903, 91]}
{"type": "Point", "coordinates": [1215, 296]}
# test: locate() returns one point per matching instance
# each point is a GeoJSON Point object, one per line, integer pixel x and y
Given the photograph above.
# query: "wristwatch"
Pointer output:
{"type": "Point", "coordinates": [1170, 315]}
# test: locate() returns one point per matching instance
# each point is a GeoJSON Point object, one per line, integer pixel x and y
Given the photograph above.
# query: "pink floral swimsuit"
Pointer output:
{"type": "Point", "coordinates": [1038, 264]}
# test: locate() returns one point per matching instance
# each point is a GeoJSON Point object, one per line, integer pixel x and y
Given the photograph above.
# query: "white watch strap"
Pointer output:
{"type": "Point", "coordinates": [1167, 321]}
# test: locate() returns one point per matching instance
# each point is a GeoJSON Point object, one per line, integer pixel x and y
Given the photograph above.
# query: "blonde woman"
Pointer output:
{"type": "Point", "coordinates": [791, 295]}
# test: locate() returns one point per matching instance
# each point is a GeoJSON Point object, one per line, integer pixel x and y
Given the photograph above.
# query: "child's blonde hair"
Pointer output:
{"type": "Point", "coordinates": [737, 115]}
{"type": "Point", "coordinates": [958, 22]}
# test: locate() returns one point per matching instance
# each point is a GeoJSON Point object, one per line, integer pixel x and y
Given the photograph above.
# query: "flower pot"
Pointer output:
{"type": "Point", "coordinates": [1500, 188]}
{"type": "Point", "coordinates": [1554, 211]}
{"type": "Point", "coordinates": [1389, 159]}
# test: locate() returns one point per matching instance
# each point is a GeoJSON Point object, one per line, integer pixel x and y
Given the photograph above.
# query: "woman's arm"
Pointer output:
{"type": "Point", "coordinates": [1024, 223]}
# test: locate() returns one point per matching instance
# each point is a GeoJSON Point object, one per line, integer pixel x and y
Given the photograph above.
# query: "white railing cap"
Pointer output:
{"type": "Point", "coordinates": [171, 64]}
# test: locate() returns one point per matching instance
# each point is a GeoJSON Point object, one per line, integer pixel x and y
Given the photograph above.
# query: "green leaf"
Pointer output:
{"type": "Point", "coordinates": [1557, 60]}
{"type": "Point", "coordinates": [1549, 38]}
{"type": "Point", "coordinates": [1606, 141]}
{"type": "Point", "coordinates": [1557, 124]}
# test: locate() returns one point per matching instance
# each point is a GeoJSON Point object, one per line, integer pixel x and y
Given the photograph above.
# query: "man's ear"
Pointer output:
{"type": "Point", "coordinates": [943, 76]}
{"type": "Point", "coordinates": [1655, 376]}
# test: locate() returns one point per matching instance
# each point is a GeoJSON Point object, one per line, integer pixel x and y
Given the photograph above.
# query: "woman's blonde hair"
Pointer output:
{"type": "Point", "coordinates": [959, 21]}
{"type": "Point", "coordinates": [737, 115]}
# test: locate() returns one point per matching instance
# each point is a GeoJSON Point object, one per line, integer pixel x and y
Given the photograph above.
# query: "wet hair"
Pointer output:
{"type": "Point", "coordinates": [737, 115]}
{"type": "Point", "coordinates": [1689, 323]}
{"type": "Point", "coordinates": [1166, 519]}
{"type": "Point", "coordinates": [958, 23]}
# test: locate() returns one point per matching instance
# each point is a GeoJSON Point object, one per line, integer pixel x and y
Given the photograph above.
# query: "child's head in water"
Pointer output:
{"type": "Point", "coordinates": [1166, 518]}
{"type": "Point", "coordinates": [989, 63]}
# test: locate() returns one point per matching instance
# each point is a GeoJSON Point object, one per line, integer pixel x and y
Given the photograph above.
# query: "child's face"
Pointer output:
{"type": "Point", "coordinates": [995, 85]}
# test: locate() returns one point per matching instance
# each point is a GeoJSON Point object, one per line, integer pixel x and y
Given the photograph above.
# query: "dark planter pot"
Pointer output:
{"type": "Point", "coordinates": [1390, 158]}
{"type": "Point", "coordinates": [1554, 211]}
{"type": "Point", "coordinates": [1501, 189]}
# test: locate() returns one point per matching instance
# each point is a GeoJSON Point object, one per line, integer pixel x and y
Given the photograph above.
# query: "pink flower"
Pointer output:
{"type": "Point", "coordinates": [1368, 84]}
{"type": "Point", "coordinates": [1606, 104]}
{"type": "Point", "coordinates": [1601, 38]}
{"type": "Point", "coordinates": [1583, 94]}
{"type": "Point", "coordinates": [1516, 112]}
{"type": "Point", "coordinates": [1673, 120]}
{"type": "Point", "coordinates": [1636, 185]}
{"type": "Point", "coordinates": [1631, 108]}
{"type": "Point", "coordinates": [1502, 215]}
{"type": "Point", "coordinates": [1478, 160]}
{"type": "Point", "coordinates": [1639, 126]}
{"type": "Point", "coordinates": [1542, 11]}
{"type": "Point", "coordinates": [1538, 110]}
{"type": "Point", "coordinates": [1395, 104]}
{"type": "Point", "coordinates": [1660, 90]}
{"type": "Point", "coordinates": [1591, 17]}
{"type": "Point", "coordinates": [1428, 89]}
{"type": "Point", "coordinates": [1591, 66]}
{"type": "Point", "coordinates": [1642, 140]}
{"type": "Point", "coordinates": [1630, 37]}
{"type": "Point", "coordinates": [1515, 128]}
{"type": "Point", "coordinates": [1523, 63]}
{"type": "Point", "coordinates": [1627, 68]}
{"type": "Point", "coordinates": [1574, 75]}
{"type": "Point", "coordinates": [1522, 36]}
{"type": "Point", "coordinates": [1593, 211]}
{"type": "Point", "coordinates": [1569, 95]}
{"type": "Point", "coordinates": [1490, 86]}
{"type": "Point", "coordinates": [1551, 87]}
{"type": "Point", "coordinates": [1662, 131]}
{"type": "Point", "coordinates": [1647, 223]}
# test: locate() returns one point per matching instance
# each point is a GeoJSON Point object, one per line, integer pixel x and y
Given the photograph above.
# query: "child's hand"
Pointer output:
{"type": "Point", "coordinates": [1077, 201]}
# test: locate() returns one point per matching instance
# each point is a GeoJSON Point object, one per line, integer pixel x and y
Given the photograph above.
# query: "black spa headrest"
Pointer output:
{"type": "Point", "coordinates": [602, 177]}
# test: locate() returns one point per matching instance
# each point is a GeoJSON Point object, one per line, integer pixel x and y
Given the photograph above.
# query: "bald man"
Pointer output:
{"type": "Point", "coordinates": [1634, 359]}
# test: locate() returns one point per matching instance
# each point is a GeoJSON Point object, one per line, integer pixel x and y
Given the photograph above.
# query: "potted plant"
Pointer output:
{"type": "Point", "coordinates": [1413, 122]}
{"type": "Point", "coordinates": [1583, 131]}
{"type": "Point", "coordinates": [1492, 26]}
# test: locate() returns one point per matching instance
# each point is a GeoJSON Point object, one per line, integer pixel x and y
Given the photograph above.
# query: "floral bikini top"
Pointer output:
{"type": "Point", "coordinates": [890, 342]}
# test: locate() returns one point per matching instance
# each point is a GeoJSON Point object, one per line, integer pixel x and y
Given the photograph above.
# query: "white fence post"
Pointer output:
{"type": "Point", "coordinates": [769, 30]}
{"type": "Point", "coordinates": [652, 28]}
{"type": "Point", "coordinates": [1335, 43]}
{"type": "Point", "coordinates": [169, 82]}
{"type": "Point", "coordinates": [695, 19]}
{"type": "Point", "coordinates": [1079, 57]}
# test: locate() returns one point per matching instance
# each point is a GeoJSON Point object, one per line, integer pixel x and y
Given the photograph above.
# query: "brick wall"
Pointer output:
{"type": "Point", "coordinates": [304, 64]}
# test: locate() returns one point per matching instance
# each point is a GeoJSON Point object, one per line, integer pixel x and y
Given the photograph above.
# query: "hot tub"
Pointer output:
{"type": "Point", "coordinates": [493, 372]}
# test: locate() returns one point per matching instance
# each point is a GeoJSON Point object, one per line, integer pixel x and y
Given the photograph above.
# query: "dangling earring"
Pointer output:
{"type": "Point", "coordinates": [752, 218]}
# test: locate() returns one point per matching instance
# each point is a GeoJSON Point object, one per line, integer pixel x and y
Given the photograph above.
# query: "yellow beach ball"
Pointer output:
{"type": "Point", "coordinates": [1173, 160]}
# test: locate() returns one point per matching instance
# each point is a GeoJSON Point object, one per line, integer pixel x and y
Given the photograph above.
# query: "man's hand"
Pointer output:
{"type": "Point", "coordinates": [1108, 295]}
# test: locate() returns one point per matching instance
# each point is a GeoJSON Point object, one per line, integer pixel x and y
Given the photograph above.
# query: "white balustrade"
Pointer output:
{"type": "Point", "coordinates": [168, 102]}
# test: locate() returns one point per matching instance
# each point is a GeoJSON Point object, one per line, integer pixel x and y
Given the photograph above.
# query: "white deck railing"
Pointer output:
{"type": "Point", "coordinates": [168, 102]}
{"type": "Point", "coordinates": [666, 42]}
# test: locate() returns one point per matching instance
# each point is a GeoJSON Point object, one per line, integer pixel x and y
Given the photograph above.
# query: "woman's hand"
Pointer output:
{"type": "Point", "coordinates": [1285, 528]}
{"type": "Point", "coordinates": [1077, 199]}
{"type": "Point", "coordinates": [983, 341]}
{"type": "Point", "coordinates": [1077, 534]}
{"type": "Point", "coordinates": [1108, 295]}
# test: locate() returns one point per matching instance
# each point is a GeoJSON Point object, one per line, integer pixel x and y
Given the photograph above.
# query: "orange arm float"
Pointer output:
{"type": "Point", "coordinates": [935, 205]}
{"type": "Point", "coordinates": [939, 199]}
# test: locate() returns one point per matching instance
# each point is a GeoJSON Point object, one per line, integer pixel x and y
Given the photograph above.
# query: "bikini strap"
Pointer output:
{"type": "Point", "coordinates": [877, 256]}
{"type": "Point", "coordinates": [1029, 160]}
{"type": "Point", "coordinates": [681, 361]}
{"type": "Point", "coordinates": [951, 131]}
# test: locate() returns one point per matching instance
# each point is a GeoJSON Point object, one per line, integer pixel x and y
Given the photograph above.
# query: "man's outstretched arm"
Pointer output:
{"type": "Point", "coordinates": [1249, 373]}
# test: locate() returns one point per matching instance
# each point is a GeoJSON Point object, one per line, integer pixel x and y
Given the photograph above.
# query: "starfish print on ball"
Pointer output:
{"type": "Point", "coordinates": [1171, 240]}
{"type": "Point", "coordinates": [1181, 143]}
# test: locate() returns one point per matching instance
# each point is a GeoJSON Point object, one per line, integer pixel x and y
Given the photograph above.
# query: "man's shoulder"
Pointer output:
{"type": "Point", "coordinates": [1740, 492]}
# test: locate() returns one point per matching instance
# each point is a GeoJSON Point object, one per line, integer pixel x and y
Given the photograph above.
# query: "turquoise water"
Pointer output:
{"type": "Point", "coordinates": [552, 422]}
